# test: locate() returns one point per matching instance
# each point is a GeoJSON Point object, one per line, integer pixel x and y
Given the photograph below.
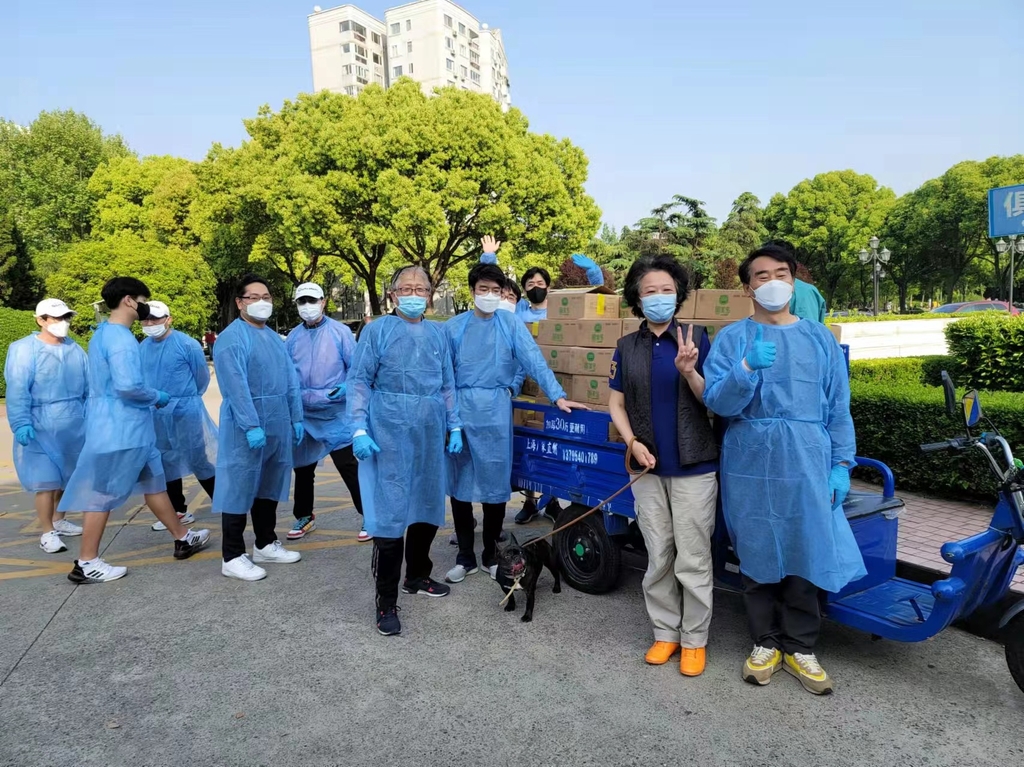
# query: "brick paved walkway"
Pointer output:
{"type": "Point", "coordinates": [927, 523]}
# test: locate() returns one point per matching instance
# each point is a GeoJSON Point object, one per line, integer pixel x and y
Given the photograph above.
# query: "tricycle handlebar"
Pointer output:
{"type": "Point", "coordinates": [935, 447]}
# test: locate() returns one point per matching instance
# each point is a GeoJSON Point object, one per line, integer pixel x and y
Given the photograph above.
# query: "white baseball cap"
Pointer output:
{"type": "Point", "coordinates": [52, 307]}
{"type": "Point", "coordinates": [158, 310]}
{"type": "Point", "coordinates": [309, 289]}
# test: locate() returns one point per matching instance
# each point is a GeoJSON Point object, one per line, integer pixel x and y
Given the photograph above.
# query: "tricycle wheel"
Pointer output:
{"type": "Point", "coordinates": [1014, 647]}
{"type": "Point", "coordinates": [589, 558]}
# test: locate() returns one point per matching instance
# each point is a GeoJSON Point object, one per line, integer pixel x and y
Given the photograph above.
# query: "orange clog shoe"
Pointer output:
{"type": "Point", "coordinates": [693, 661]}
{"type": "Point", "coordinates": [661, 652]}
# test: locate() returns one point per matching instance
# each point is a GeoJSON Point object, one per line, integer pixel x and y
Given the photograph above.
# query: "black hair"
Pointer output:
{"type": "Point", "coordinates": [119, 288]}
{"type": "Point", "coordinates": [249, 279]}
{"type": "Point", "coordinates": [532, 272]}
{"type": "Point", "coordinates": [646, 264]}
{"type": "Point", "coordinates": [773, 251]}
{"type": "Point", "coordinates": [512, 285]}
{"type": "Point", "coordinates": [486, 272]}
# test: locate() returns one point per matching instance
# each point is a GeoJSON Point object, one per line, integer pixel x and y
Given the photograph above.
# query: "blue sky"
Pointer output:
{"type": "Point", "coordinates": [706, 99]}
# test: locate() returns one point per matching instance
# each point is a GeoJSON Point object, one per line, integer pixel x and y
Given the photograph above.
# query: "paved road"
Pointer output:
{"type": "Point", "coordinates": [175, 664]}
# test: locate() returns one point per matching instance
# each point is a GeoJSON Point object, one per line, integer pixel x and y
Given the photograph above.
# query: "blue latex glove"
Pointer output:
{"type": "Point", "coordinates": [337, 392]}
{"type": "Point", "coordinates": [594, 274]}
{"type": "Point", "coordinates": [839, 484]}
{"type": "Point", "coordinates": [364, 447]}
{"type": "Point", "coordinates": [455, 442]}
{"type": "Point", "coordinates": [25, 434]}
{"type": "Point", "coordinates": [256, 438]}
{"type": "Point", "coordinates": [762, 354]}
{"type": "Point", "coordinates": [489, 258]}
{"type": "Point", "coordinates": [162, 399]}
{"type": "Point", "coordinates": [300, 432]}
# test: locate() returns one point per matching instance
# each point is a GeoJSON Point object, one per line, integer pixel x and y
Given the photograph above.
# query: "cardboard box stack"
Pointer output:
{"type": "Point", "coordinates": [714, 309]}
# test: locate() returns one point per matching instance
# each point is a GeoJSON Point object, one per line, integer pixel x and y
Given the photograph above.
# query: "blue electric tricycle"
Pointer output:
{"type": "Point", "coordinates": [571, 459]}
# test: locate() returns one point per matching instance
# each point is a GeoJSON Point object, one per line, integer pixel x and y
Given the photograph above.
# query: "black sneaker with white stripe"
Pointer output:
{"type": "Point", "coordinates": [98, 572]}
{"type": "Point", "coordinates": [195, 541]}
{"type": "Point", "coordinates": [427, 587]}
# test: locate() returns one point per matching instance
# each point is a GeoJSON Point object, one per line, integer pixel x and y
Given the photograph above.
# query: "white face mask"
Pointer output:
{"type": "Point", "coordinates": [154, 331]}
{"type": "Point", "coordinates": [59, 329]}
{"type": "Point", "coordinates": [774, 295]}
{"type": "Point", "coordinates": [310, 312]}
{"type": "Point", "coordinates": [507, 306]}
{"type": "Point", "coordinates": [487, 304]}
{"type": "Point", "coordinates": [261, 310]}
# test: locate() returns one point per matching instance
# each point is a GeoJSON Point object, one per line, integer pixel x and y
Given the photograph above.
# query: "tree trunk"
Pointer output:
{"type": "Point", "coordinates": [225, 305]}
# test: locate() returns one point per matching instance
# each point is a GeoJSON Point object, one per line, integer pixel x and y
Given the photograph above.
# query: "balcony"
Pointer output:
{"type": "Point", "coordinates": [475, 65]}
{"type": "Point", "coordinates": [359, 37]}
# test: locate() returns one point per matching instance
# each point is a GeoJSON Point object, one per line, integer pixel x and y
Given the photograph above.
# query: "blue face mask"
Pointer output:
{"type": "Point", "coordinates": [659, 308]}
{"type": "Point", "coordinates": [412, 306]}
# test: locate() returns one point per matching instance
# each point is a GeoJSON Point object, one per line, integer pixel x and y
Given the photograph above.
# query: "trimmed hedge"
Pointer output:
{"type": "Point", "coordinates": [851, 318]}
{"type": "Point", "coordinates": [892, 421]}
{"type": "Point", "coordinates": [14, 324]}
{"type": "Point", "coordinates": [899, 371]}
{"type": "Point", "coordinates": [990, 349]}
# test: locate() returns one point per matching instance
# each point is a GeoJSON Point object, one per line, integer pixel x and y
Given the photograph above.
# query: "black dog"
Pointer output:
{"type": "Point", "coordinates": [525, 563]}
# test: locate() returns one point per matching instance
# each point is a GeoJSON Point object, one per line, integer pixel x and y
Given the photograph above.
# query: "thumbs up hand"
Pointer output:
{"type": "Point", "coordinates": [762, 353]}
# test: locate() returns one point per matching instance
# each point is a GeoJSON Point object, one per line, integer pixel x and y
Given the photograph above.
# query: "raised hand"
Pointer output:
{"type": "Point", "coordinates": [488, 244]}
{"type": "Point", "coordinates": [686, 357]}
{"type": "Point", "coordinates": [762, 353]}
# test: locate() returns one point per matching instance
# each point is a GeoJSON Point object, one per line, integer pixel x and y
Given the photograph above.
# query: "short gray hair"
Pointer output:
{"type": "Point", "coordinates": [415, 267]}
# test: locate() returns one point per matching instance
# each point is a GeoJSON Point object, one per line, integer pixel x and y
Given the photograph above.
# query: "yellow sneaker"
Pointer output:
{"type": "Point", "coordinates": [810, 673]}
{"type": "Point", "coordinates": [693, 661]}
{"type": "Point", "coordinates": [761, 664]}
{"type": "Point", "coordinates": [660, 652]}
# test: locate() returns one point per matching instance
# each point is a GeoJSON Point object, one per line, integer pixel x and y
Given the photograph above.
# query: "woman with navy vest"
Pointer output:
{"type": "Point", "coordinates": [657, 405]}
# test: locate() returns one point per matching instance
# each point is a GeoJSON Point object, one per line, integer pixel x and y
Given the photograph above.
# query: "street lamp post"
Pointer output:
{"type": "Point", "coordinates": [876, 258]}
{"type": "Point", "coordinates": [1016, 245]}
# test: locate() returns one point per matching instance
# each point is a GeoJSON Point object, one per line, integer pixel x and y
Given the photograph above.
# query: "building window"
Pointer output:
{"type": "Point", "coordinates": [396, 72]}
{"type": "Point", "coordinates": [396, 28]}
{"type": "Point", "coordinates": [350, 90]}
{"type": "Point", "coordinates": [448, 21]}
{"type": "Point", "coordinates": [462, 50]}
{"type": "Point", "coordinates": [394, 51]}
{"type": "Point", "coordinates": [359, 29]}
{"type": "Point", "coordinates": [450, 64]}
{"type": "Point", "coordinates": [449, 44]}
{"type": "Point", "coordinates": [475, 76]}
{"type": "Point", "coordinates": [465, 73]}
{"type": "Point", "coordinates": [376, 58]}
{"type": "Point", "coordinates": [410, 67]}
{"type": "Point", "coordinates": [408, 25]}
{"type": "Point", "coordinates": [345, 26]}
{"type": "Point", "coordinates": [376, 38]}
{"type": "Point", "coordinates": [408, 47]}
{"type": "Point", "coordinates": [474, 57]}
{"type": "Point", "coordinates": [346, 48]}
{"type": "Point", "coordinates": [360, 51]}
{"type": "Point", "coordinates": [462, 29]}
{"type": "Point", "coordinates": [347, 69]}
{"type": "Point", "coordinates": [379, 79]}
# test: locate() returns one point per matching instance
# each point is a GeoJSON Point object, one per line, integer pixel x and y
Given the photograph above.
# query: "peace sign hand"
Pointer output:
{"type": "Point", "coordinates": [686, 357]}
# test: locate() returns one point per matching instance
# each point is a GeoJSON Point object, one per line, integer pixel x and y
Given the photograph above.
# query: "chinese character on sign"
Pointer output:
{"type": "Point", "coordinates": [1014, 203]}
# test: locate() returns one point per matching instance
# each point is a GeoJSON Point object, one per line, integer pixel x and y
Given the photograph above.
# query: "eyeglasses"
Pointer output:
{"type": "Point", "coordinates": [408, 291]}
{"type": "Point", "coordinates": [307, 300]}
{"type": "Point", "coordinates": [480, 290]}
{"type": "Point", "coordinates": [254, 299]}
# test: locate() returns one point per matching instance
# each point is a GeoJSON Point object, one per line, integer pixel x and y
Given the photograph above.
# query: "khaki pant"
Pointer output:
{"type": "Point", "coordinates": [677, 517]}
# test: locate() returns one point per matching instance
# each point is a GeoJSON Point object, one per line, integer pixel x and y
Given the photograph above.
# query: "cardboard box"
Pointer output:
{"type": "Point", "coordinates": [565, 381]}
{"type": "Point", "coordinates": [534, 328]}
{"type": "Point", "coordinates": [557, 358]}
{"type": "Point", "coordinates": [630, 326]}
{"type": "Point", "coordinates": [596, 303]}
{"type": "Point", "coordinates": [558, 332]}
{"type": "Point", "coordinates": [689, 308]}
{"type": "Point", "coordinates": [530, 388]}
{"type": "Point", "coordinates": [604, 334]}
{"type": "Point", "coordinates": [590, 362]}
{"type": "Point", "coordinates": [723, 305]}
{"type": "Point", "coordinates": [590, 390]}
{"type": "Point", "coordinates": [713, 326]}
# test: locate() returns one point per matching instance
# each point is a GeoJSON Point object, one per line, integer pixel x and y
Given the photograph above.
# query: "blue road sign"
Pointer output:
{"type": "Point", "coordinates": [1006, 211]}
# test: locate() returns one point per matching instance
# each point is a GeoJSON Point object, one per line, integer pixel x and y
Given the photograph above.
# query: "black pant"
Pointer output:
{"type": "Point", "coordinates": [462, 514]}
{"type": "Point", "coordinates": [264, 518]}
{"type": "Point", "coordinates": [174, 492]}
{"type": "Point", "coordinates": [387, 561]}
{"type": "Point", "coordinates": [783, 616]}
{"type": "Point", "coordinates": [348, 467]}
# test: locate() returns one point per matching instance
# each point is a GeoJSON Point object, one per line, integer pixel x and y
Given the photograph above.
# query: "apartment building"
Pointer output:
{"type": "Point", "coordinates": [435, 42]}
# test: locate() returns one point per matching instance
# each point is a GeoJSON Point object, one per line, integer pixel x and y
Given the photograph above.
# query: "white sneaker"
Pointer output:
{"type": "Point", "coordinates": [70, 529]}
{"type": "Point", "coordinates": [364, 536]}
{"type": "Point", "coordinates": [458, 573]}
{"type": "Point", "coordinates": [98, 572]}
{"type": "Point", "coordinates": [185, 519]}
{"type": "Point", "coordinates": [275, 552]}
{"type": "Point", "coordinates": [243, 569]}
{"type": "Point", "coordinates": [51, 543]}
{"type": "Point", "coordinates": [493, 572]}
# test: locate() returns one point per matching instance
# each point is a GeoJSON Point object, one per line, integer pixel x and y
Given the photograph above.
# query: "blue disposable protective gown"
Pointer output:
{"type": "Point", "coordinates": [322, 355]}
{"type": "Point", "coordinates": [487, 354]}
{"type": "Point", "coordinates": [119, 457]}
{"type": "Point", "coordinates": [261, 390]}
{"type": "Point", "coordinates": [788, 426]}
{"type": "Point", "coordinates": [527, 313]}
{"type": "Point", "coordinates": [46, 389]}
{"type": "Point", "coordinates": [185, 434]}
{"type": "Point", "coordinates": [401, 391]}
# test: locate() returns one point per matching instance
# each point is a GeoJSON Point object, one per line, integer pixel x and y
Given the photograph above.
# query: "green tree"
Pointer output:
{"type": "Point", "coordinates": [829, 219]}
{"type": "Point", "coordinates": [905, 234]}
{"type": "Point", "coordinates": [178, 277]}
{"type": "Point", "coordinates": [356, 178]}
{"type": "Point", "coordinates": [47, 166]}
{"type": "Point", "coordinates": [744, 229]}
{"type": "Point", "coordinates": [19, 286]}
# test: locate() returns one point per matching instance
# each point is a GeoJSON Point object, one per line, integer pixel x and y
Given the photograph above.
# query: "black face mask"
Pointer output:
{"type": "Point", "coordinates": [537, 295]}
{"type": "Point", "coordinates": [142, 310]}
